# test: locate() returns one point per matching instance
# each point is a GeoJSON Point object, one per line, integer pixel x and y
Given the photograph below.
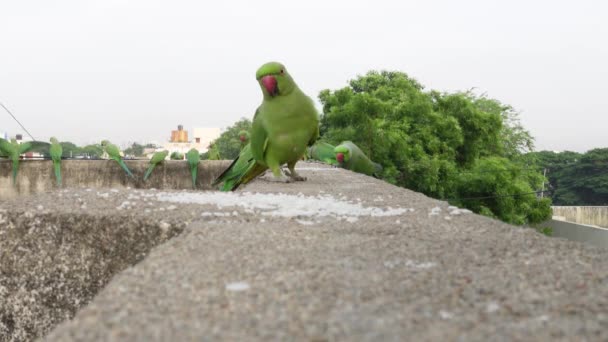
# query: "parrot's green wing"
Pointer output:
{"type": "Point", "coordinates": [5, 147]}
{"type": "Point", "coordinates": [193, 157]}
{"type": "Point", "coordinates": [56, 151]}
{"type": "Point", "coordinates": [242, 170]}
{"type": "Point", "coordinates": [259, 140]}
{"type": "Point", "coordinates": [156, 159]}
{"type": "Point", "coordinates": [113, 151]}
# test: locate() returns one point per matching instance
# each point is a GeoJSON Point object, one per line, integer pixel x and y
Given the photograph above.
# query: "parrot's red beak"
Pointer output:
{"type": "Point", "coordinates": [242, 137]}
{"type": "Point", "coordinates": [270, 83]}
{"type": "Point", "coordinates": [340, 157]}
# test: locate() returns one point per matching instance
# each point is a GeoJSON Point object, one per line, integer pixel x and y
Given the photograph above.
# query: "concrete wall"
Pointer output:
{"type": "Point", "coordinates": [37, 175]}
{"type": "Point", "coordinates": [579, 232]}
{"type": "Point", "coordinates": [596, 216]}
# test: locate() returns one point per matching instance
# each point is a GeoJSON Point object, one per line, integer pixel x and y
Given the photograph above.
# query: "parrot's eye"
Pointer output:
{"type": "Point", "coordinates": [282, 71]}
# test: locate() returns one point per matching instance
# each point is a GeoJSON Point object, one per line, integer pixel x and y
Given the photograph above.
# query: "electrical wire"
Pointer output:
{"type": "Point", "coordinates": [11, 114]}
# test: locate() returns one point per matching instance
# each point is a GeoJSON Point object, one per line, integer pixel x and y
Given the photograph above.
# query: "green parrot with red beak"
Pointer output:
{"type": "Point", "coordinates": [284, 124]}
{"type": "Point", "coordinates": [350, 156]}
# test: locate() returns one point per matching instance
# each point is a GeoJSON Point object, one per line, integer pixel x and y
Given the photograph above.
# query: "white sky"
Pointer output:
{"type": "Point", "coordinates": [132, 70]}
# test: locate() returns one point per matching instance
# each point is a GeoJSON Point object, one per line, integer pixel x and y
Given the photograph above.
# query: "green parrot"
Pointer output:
{"type": "Point", "coordinates": [193, 157]}
{"type": "Point", "coordinates": [213, 153]}
{"type": "Point", "coordinates": [114, 153]}
{"type": "Point", "coordinates": [244, 138]}
{"type": "Point", "coordinates": [13, 150]}
{"type": "Point", "coordinates": [324, 152]}
{"type": "Point", "coordinates": [56, 151]}
{"type": "Point", "coordinates": [283, 126]}
{"type": "Point", "coordinates": [157, 158]}
{"type": "Point", "coordinates": [350, 156]}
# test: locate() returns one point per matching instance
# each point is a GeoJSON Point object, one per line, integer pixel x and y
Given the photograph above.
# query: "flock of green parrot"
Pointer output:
{"type": "Point", "coordinates": [284, 130]}
{"type": "Point", "coordinates": [12, 150]}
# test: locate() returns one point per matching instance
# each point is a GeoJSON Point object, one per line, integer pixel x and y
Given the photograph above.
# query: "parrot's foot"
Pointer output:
{"type": "Point", "coordinates": [294, 176]}
{"type": "Point", "coordinates": [280, 179]}
{"type": "Point", "coordinates": [298, 178]}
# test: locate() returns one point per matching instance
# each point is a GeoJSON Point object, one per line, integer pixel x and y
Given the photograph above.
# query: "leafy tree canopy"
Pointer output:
{"type": "Point", "coordinates": [228, 145]}
{"type": "Point", "coordinates": [435, 143]}
{"type": "Point", "coordinates": [575, 178]}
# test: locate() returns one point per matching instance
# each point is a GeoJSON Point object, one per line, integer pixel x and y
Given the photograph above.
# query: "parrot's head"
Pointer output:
{"type": "Point", "coordinates": [243, 136]}
{"type": "Point", "coordinates": [105, 143]}
{"type": "Point", "coordinates": [54, 140]}
{"type": "Point", "coordinates": [342, 154]}
{"type": "Point", "coordinates": [274, 80]}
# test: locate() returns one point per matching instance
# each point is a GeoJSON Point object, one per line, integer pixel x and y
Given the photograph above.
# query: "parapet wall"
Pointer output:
{"type": "Point", "coordinates": [596, 216]}
{"type": "Point", "coordinates": [36, 176]}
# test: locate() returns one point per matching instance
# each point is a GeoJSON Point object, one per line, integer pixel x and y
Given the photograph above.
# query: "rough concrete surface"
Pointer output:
{"type": "Point", "coordinates": [369, 261]}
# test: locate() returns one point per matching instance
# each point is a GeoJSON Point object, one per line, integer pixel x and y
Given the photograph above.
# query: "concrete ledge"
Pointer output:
{"type": "Point", "coordinates": [52, 263]}
{"type": "Point", "coordinates": [339, 257]}
{"type": "Point", "coordinates": [579, 232]}
{"type": "Point", "coordinates": [36, 176]}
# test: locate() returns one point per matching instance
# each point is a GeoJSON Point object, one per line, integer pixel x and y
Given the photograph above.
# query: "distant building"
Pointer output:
{"type": "Point", "coordinates": [179, 142]}
{"type": "Point", "coordinates": [205, 135]}
{"type": "Point", "coordinates": [179, 136]}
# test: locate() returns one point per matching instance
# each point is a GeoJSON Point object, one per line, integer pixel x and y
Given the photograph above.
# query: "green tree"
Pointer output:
{"type": "Point", "coordinates": [135, 149]}
{"type": "Point", "coordinates": [574, 178]}
{"type": "Point", "coordinates": [92, 151]}
{"type": "Point", "coordinates": [70, 150]}
{"type": "Point", "coordinates": [500, 188]}
{"type": "Point", "coordinates": [428, 141]}
{"type": "Point", "coordinates": [228, 144]}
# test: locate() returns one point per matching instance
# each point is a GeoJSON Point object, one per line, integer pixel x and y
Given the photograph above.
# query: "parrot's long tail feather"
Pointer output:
{"type": "Point", "coordinates": [193, 171]}
{"type": "Point", "coordinates": [57, 168]}
{"type": "Point", "coordinates": [124, 167]}
{"type": "Point", "coordinates": [242, 170]}
{"type": "Point", "coordinates": [149, 171]}
{"type": "Point", "coordinates": [15, 169]}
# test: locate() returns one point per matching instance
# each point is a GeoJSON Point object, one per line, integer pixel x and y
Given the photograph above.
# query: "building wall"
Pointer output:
{"type": "Point", "coordinates": [590, 215]}
{"type": "Point", "coordinates": [205, 136]}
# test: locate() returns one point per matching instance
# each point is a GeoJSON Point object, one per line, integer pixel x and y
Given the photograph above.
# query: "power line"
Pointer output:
{"type": "Point", "coordinates": [11, 114]}
{"type": "Point", "coordinates": [498, 196]}
{"type": "Point", "coordinates": [499, 171]}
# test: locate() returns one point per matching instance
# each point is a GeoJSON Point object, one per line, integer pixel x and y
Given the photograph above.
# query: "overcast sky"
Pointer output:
{"type": "Point", "coordinates": [132, 70]}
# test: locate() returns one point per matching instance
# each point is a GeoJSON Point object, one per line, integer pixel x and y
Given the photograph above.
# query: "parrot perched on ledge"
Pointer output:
{"type": "Point", "coordinates": [324, 152]}
{"type": "Point", "coordinates": [157, 158]}
{"type": "Point", "coordinates": [114, 153]}
{"type": "Point", "coordinates": [350, 156]}
{"type": "Point", "coordinates": [13, 150]}
{"type": "Point", "coordinates": [283, 126]}
{"type": "Point", "coordinates": [193, 158]}
{"type": "Point", "coordinates": [56, 151]}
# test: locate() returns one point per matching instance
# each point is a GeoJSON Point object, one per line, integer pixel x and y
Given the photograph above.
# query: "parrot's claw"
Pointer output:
{"type": "Point", "coordinates": [298, 178]}
{"type": "Point", "coordinates": [281, 179]}
{"type": "Point", "coordinates": [294, 176]}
